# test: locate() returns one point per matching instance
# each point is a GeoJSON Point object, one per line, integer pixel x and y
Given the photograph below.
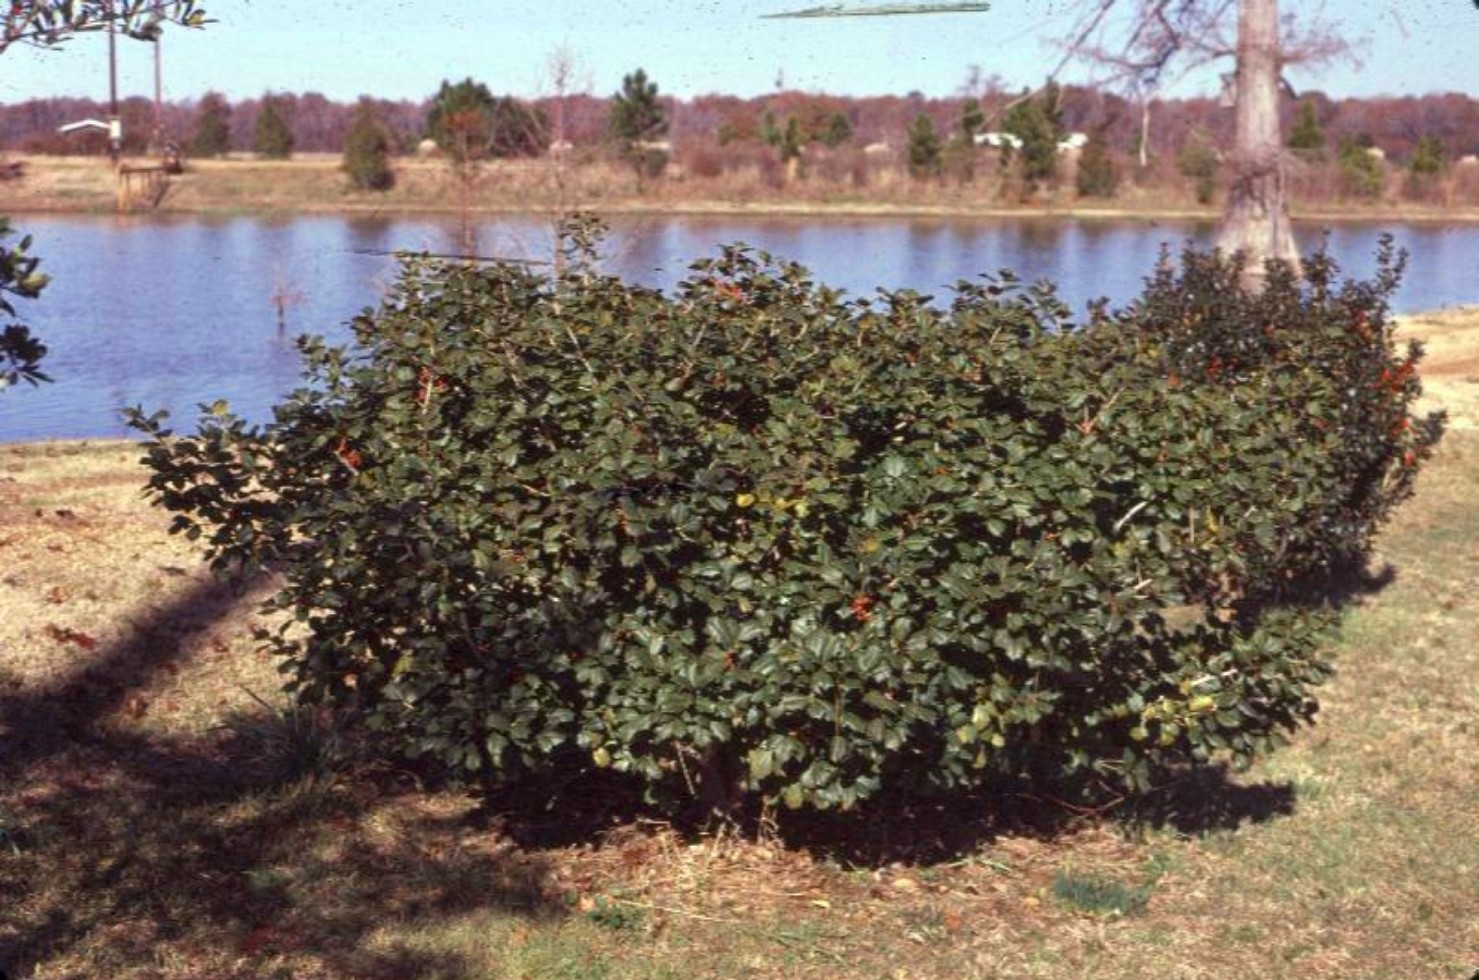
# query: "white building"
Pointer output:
{"type": "Point", "coordinates": [997, 140]}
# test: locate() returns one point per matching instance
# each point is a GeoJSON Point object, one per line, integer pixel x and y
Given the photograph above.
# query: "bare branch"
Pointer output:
{"type": "Point", "coordinates": [1313, 42]}
{"type": "Point", "coordinates": [1185, 33]}
{"type": "Point", "coordinates": [1190, 34]}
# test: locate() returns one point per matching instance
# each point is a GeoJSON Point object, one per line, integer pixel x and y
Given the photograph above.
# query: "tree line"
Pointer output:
{"type": "Point", "coordinates": [786, 120]}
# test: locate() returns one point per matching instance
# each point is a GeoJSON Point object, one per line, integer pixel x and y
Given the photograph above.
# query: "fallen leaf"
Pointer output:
{"type": "Point", "coordinates": [63, 635]}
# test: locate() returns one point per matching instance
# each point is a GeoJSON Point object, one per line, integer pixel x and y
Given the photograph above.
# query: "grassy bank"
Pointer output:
{"type": "Point", "coordinates": [157, 820]}
{"type": "Point", "coordinates": [315, 183]}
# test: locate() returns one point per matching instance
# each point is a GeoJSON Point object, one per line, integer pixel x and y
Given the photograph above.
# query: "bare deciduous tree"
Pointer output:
{"type": "Point", "coordinates": [1167, 36]}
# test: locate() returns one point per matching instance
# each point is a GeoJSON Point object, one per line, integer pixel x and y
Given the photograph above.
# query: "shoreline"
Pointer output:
{"type": "Point", "coordinates": [314, 185]}
{"type": "Point", "coordinates": [768, 209]}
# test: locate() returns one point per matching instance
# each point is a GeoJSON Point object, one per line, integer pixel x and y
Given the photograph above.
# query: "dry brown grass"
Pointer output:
{"type": "Point", "coordinates": [143, 839]}
{"type": "Point", "coordinates": [314, 183]}
{"type": "Point", "coordinates": [1450, 367]}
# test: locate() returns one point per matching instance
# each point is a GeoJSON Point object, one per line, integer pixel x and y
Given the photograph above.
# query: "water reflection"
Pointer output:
{"type": "Point", "coordinates": [172, 311]}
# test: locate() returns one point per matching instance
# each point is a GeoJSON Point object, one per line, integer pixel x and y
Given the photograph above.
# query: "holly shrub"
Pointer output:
{"type": "Point", "coordinates": [755, 538]}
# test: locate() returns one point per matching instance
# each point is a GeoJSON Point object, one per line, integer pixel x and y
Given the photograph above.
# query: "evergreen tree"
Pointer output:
{"type": "Point", "coordinates": [1198, 162]}
{"type": "Point", "coordinates": [924, 148]}
{"type": "Point", "coordinates": [516, 129]}
{"type": "Point", "coordinates": [1097, 174]}
{"type": "Point", "coordinates": [1427, 159]}
{"type": "Point", "coordinates": [1038, 123]}
{"type": "Point", "coordinates": [212, 126]}
{"type": "Point", "coordinates": [972, 119]}
{"type": "Point", "coordinates": [1425, 168]}
{"type": "Point", "coordinates": [461, 120]}
{"type": "Point", "coordinates": [367, 150]}
{"type": "Point", "coordinates": [636, 121]}
{"type": "Point", "coordinates": [1361, 174]}
{"type": "Point", "coordinates": [1307, 138]}
{"type": "Point", "coordinates": [837, 131]}
{"type": "Point", "coordinates": [272, 136]}
{"type": "Point", "coordinates": [960, 152]}
{"type": "Point", "coordinates": [788, 140]}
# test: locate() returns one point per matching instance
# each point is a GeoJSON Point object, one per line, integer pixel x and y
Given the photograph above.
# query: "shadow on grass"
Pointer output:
{"type": "Point", "coordinates": [1205, 800]}
{"type": "Point", "coordinates": [255, 853]}
{"type": "Point", "coordinates": [894, 827]}
{"type": "Point", "coordinates": [934, 830]}
{"type": "Point", "coordinates": [124, 851]}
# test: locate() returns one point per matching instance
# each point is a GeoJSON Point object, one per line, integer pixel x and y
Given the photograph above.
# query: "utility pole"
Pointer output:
{"type": "Point", "coordinates": [115, 123]}
{"type": "Point", "coordinates": [157, 139]}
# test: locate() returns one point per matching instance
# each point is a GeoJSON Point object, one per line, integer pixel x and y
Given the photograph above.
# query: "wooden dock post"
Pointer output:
{"type": "Point", "coordinates": [141, 188]}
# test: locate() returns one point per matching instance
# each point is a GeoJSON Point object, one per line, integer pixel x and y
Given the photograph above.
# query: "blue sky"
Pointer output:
{"type": "Point", "coordinates": [402, 49]}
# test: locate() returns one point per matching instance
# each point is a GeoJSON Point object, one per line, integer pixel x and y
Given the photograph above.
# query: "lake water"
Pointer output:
{"type": "Point", "coordinates": [171, 312]}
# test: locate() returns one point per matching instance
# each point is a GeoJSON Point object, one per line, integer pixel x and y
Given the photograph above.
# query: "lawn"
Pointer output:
{"type": "Point", "coordinates": [163, 814]}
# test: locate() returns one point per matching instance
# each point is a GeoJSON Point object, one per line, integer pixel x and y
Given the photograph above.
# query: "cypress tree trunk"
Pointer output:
{"type": "Point", "coordinates": [1256, 219]}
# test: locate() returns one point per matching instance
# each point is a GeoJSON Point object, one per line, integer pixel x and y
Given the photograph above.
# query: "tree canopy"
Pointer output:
{"type": "Point", "coordinates": [367, 150]}
{"type": "Point", "coordinates": [212, 126]}
{"type": "Point", "coordinates": [461, 119]}
{"type": "Point", "coordinates": [272, 136]}
{"type": "Point", "coordinates": [48, 23]}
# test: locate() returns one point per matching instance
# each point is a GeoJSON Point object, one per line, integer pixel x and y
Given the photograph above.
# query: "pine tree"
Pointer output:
{"type": "Point", "coordinates": [461, 120]}
{"type": "Point", "coordinates": [272, 136]}
{"type": "Point", "coordinates": [1199, 162]}
{"type": "Point", "coordinates": [1361, 174]}
{"type": "Point", "coordinates": [788, 141]}
{"type": "Point", "coordinates": [1306, 138]}
{"type": "Point", "coordinates": [1425, 168]}
{"type": "Point", "coordinates": [971, 119]}
{"type": "Point", "coordinates": [960, 152]}
{"type": "Point", "coordinates": [367, 150]}
{"type": "Point", "coordinates": [1427, 159]}
{"type": "Point", "coordinates": [837, 131]}
{"type": "Point", "coordinates": [1097, 174]}
{"type": "Point", "coordinates": [1038, 123]}
{"type": "Point", "coordinates": [517, 129]}
{"type": "Point", "coordinates": [212, 126]}
{"type": "Point", "coordinates": [924, 148]}
{"type": "Point", "coordinates": [636, 121]}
